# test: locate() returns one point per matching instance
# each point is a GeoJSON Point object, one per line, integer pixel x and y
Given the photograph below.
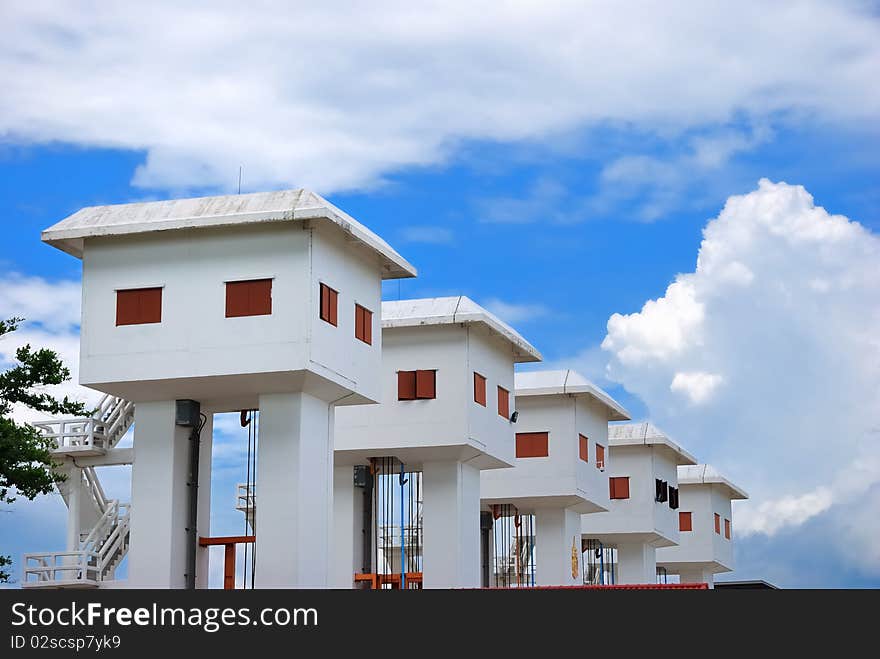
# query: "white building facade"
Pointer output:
{"type": "Point", "coordinates": [561, 466]}
{"type": "Point", "coordinates": [264, 302]}
{"type": "Point", "coordinates": [644, 498]}
{"type": "Point", "coordinates": [446, 405]}
{"type": "Point", "coordinates": [705, 546]}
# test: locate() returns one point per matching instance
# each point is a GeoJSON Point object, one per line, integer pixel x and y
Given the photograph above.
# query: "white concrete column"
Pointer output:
{"type": "Point", "coordinates": [295, 490]}
{"type": "Point", "coordinates": [697, 575]}
{"type": "Point", "coordinates": [636, 563]}
{"type": "Point", "coordinates": [347, 531]}
{"type": "Point", "coordinates": [157, 558]}
{"type": "Point", "coordinates": [558, 545]}
{"type": "Point", "coordinates": [203, 522]}
{"type": "Point", "coordinates": [451, 521]}
{"type": "Point", "coordinates": [74, 485]}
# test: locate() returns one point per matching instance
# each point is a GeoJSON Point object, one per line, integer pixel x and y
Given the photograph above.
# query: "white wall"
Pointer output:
{"type": "Point", "coordinates": [354, 274]}
{"type": "Point", "coordinates": [196, 340]}
{"type": "Point", "coordinates": [639, 515]}
{"type": "Point", "coordinates": [560, 478]}
{"type": "Point", "coordinates": [451, 426]}
{"type": "Point", "coordinates": [701, 546]}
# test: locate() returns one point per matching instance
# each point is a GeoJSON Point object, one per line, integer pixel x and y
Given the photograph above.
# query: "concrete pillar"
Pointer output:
{"type": "Point", "coordinates": [295, 490]}
{"type": "Point", "coordinates": [697, 575]}
{"type": "Point", "coordinates": [558, 544]}
{"type": "Point", "coordinates": [451, 521]}
{"type": "Point", "coordinates": [636, 563]}
{"type": "Point", "coordinates": [203, 522]}
{"type": "Point", "coordinates": [75, 503]}
{"type": "Point", "coordinates": [347, 531]}
{"type": "Point", "coordinates": [157, 558]}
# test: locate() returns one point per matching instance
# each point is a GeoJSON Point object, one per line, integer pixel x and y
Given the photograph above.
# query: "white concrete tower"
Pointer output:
{"type": "Point", "coordinates": [561, 462]}
{"type": "Point", "coordinates": [446, 403]}
{"type": "Point", "coordinates": [643, 482]}
{"type": "Point", "coordinates": [705, 546]}
{"type": "Point", "coordinates": [262, 301]}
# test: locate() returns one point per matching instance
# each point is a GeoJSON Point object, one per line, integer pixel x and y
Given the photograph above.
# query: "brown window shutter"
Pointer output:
{"type": "Point", "coordinates": [139, 306]}
{"type": "Point", "coordinates": [685, 522]}
{"type": "Point", "coordinates": [248, 298]}
{"type": "Point", "coordinates": [325, 303]}
{"type": "Point", "coordinates": [600, 456]}
{"type": "Point", "coordinates": [479, 389]}
{"type": "Point", "coordinates": [619, 487]}
{"type": "Point", "coordinates": [363, 324]}
{"type": "Point", "coordinates": [717, 523]}
{"type": "Point", "coordinates": [329, 300]}
{"type": "Point", "coordinates": [426, 384]}
{"type": "Point", "coordinates": [532, 444]}
{"type": "Point", "coordinates": [727, 529]}
{"type": "Point", "coordinates": [503, 402]}
{"type": "Point", "coordinates": [368, 326]}
{"type": "Point", "coordinates": [260, 297]}
{"type": "Point", "coordinates": [334, 307]}
{"type": "Point", "coordinates": [406, 385]}
{"type": "Point", "coordinates": [584, 447]}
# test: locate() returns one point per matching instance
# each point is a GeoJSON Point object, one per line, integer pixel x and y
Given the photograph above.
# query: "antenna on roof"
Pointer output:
{"type": "Point", "coordinates": [239, 179]}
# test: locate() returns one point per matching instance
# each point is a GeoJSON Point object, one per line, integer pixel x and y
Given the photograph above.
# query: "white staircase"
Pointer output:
{"type": "Point", "coordinates": [102, 549]}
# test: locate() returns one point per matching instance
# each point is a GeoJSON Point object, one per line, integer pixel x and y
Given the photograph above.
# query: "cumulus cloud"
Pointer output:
{"type": "Point", "coordinates": [697, 386]}
{"type": "Point", "coordinates": [765, 360]}
{"type": "Point", "coordinates": [204, 89]}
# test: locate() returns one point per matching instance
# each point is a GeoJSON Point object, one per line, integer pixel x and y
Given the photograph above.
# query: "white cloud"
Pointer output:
{"type": "Point", "coordinates": [774, 342]}
{"type": "Point", "coordinates": [697, 386]}
{"type": "Point", "coordinates": [205, 89]}
{"type": "Point", "coordinates": [428, 235]}
{"type": "Point", "coordinates": [51, 310]}
{"type": "Point", "coordinates": [516, 313]}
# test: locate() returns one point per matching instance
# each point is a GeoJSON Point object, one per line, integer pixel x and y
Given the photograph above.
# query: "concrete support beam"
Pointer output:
{"type": "Point", "coordinates": [451, 521]}
{"type": "Point", "coordinates": [157, 558]}
{"type": "Point", "coordinates": [636, 563]}
{"type": "Point", "coordinates": [347, 527]}
{"type": "Point", "coordinates": [204, 515]}
{"type": "Point", "coordinates": [295, 492]}
{"type": "Point", "coordinates": [558, 540]}
{"type": "Point", "coordinates": [697, 575]}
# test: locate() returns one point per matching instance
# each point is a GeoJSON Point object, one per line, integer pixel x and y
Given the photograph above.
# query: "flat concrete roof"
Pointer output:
{"type": "Point", "coordinates": [453, 311]}
{"type": "Point", "coordinates": [707, 474]}
{"type": "Point", "coordinates": [570, 383]}
{"type": "Point", "coordinates": [221, 211]}
{"type": "Point", "coordinates": [647, 434]}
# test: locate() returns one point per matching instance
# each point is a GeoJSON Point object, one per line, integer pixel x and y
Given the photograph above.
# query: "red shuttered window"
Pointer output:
{"type": "Point", "coordinates": [619, 487]}
{"type": "Point", "coordinates": [329, 304]}
{"type": "Point", "coordinates": [479, 389]}
{"type": "Point", "coordinates": [413, 385]}
{"type": "Point", "coordinates": [532, 444]}
{"type": "Point", "coordinates": [138, 306]}
{"type": "Point", "coordinates": [248, 298]}
{"type": "Point", "coordinates": [717, 523]}
{"type": "Point", "coordinates": [600, 456]}
{"type": "Point", "coordinates": [727, 529]}
{"type": "Point", "coordinates": [503, 402]}
{"type": "Point", "coordinates": [685, 522]}
{"type": "Point", "coordinates": [584, 448]}
{"type": "Point", "coordinates": [363, 324]}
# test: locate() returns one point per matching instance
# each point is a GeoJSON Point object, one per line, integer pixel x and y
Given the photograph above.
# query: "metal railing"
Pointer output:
{"type": "Point", "coordinates": [102, 430]}
{"type": "Point", "coordinates": [60, 566]}
{"type": "Point", "coordinates": [245, 496]}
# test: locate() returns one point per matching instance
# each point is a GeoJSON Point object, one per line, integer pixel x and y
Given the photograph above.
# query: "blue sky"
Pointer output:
{"type": "Point", "coordinates": [556, 212]}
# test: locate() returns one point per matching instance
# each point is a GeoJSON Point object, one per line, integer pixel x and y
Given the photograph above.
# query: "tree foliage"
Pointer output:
{"type": "Point", "coordinates": [26, 466]}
